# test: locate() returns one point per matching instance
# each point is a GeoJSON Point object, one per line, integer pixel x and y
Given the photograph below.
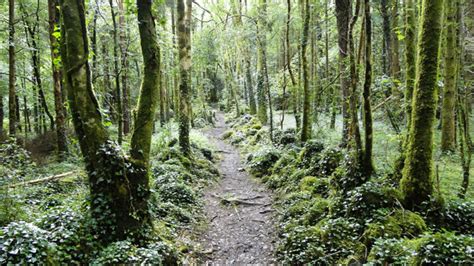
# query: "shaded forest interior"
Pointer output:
{"type": "Point", "coordinates": [236, 132]}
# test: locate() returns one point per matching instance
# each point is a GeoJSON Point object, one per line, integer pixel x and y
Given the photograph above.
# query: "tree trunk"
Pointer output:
{"type": "Point", "coordinates": [184, 45]}
{"type": "Point", "coordinates": [395, 46]}
{"type": "Point", "coordinates": [368, 166]}
{"type": "Point", "coordinates": [294, 87]}
{"type": "Point", "coordinates": [118, 91]}
{"type": "Point", "coordinates": [416, 183]}
{"type": "Point", "coordinates": [58, 97]}
{"type": "Point", "coordinates": [354, 130]}
{"type": "Point", "coordinates": [448, 111]}
{"type": "Point", "coordinates": [261, 43]}
{"type": "Point", "coordinates": [119, 186]}
{"type": "Point", "coordinates": [343, 13]}
{"type": "Point", "coordinates": [410, 56]}
{"type": "Point", "coordinates": [386, 44]}
{"type": "Point", "coordinates": [12, 70]}
{"type": "Point", "coordinates": [124, 69]}
{"type": "Point", "coordinates": [306, 126]}
{"type": "Point", "coordinates": [249, 84]}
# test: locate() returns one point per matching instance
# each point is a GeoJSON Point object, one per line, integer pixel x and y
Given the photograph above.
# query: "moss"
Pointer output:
{"type": "Point", "coordinates": [364, 201]}
{"type": "Point", "coordinates": [392, 251]}
{"type": "Point", "coordinates": [416, 183]}
{"type": "Point", "coordinates": [399, 224]}
{"type": "Point", "coordinates": [314, 185]}
{"type": "Point", "coordinates": [263, 160]}
{"type": "Point", "coordinates": [318, 210]}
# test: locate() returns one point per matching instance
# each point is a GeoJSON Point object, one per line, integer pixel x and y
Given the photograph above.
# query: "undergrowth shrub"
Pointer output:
{"type": "Point", "coordinates": [25, 243]}
{"type": "Point", "coordinates": [262, 161]}
{"type": "Point", "coordinates": [125, 252]}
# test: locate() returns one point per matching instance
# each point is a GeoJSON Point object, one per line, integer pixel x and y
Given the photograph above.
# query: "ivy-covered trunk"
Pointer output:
{"type": "Point", "coordinates": [119, 186]}
{"type": "Point", "coordinates": [416, 183]}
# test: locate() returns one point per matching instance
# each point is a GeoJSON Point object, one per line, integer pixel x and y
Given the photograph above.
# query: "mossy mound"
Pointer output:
{"type": "Point", "coordinates": [400, 223]}
{"type": "Point", "coordinates": [364, 201]}
{"type": "Point", "coordinates": [262, 161]}
{"type": "Point", "coordinates": [444, 248]}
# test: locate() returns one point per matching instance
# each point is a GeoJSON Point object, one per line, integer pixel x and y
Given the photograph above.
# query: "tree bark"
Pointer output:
{"type": "Point", "coordinates": [11, 70]}
{"type": "Point", "coordinates": [368, 165]}
{"type": "Point", "coordinates": [261, 58]}
{"type": "Point", "coordinates": [448, 111]}
{"type": "Point", "coordinates": [416, 183]}
{"type": "Point", "coordinates": [118, 91]}
{"type": "Point", "coordinates": [118, 185]}
{"type": "Point", "coordinates": [124, 69]}
{"type": "Point", "coordinates": [184, 46]}
{"type": "Point", "coordinates": [58, 97]}
{"type": "Point", "coordinates": [343, 14]}
{"type": "Point", "coordinates": [306, 125]}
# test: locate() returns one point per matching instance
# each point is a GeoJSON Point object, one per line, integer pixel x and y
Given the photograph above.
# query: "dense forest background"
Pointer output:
{"type": "Point", "coordinates": [353, 115]}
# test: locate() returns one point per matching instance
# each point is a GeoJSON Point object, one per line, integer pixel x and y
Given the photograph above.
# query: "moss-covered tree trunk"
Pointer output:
{"type": "Point", "coordinates": [11, 70]}
{"type": "Point", "coordinates": [416, 183]}
{"type": "Point", "coordinates": [306, 125]}
{"type": "Point", "coordinates": [294, 86]}
{"type": "Point", "coordinates": [368, 166]}
{"type": "Point", "coordinates": [118, 90]}
{"type": "Point", "coordinates": [184, 47]}
{"type": "Point", "coordinates": [354, 130]}
{"type": "Point", "coordinates": [343, 14]}
{"type": "Point", "coordinates": [57, 86]}
{"type": "Point", "coordinates": [395, 45]}
{"type": "Point", "coordinates": [448, 111]}
{"type": "Point", "coordinates": [261, 43]}
{"type": "Point", "coordinates": [410, 56]}
{"type": "Point", "coordinates": [118, 185]}
{"type": "Point", "coordinates": [249, 85]}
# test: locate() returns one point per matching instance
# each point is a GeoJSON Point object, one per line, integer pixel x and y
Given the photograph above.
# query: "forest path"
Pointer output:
{"type": "Point", "coordinates": [238, 210]}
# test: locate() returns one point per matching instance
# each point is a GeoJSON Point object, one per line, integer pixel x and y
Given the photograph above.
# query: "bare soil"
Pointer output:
{"type": "Point", "coordinates": [238, 210]}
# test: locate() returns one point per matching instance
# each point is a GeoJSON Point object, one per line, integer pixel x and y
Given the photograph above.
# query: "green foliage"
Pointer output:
{"type": "Point", "coordinates": [261, 162]}
{"type": "Point", "coordinates": [124, 252]}
{"type": "Point", "coordinates": [445, 248]}
{"type": "Point", "coordinates": [15, 162]}
{"type": "Point", "coordinates": [391, 251]}
{"type": "Point", "coordinates": [25, 243]}
{"type": "Point", "coordinates": [399, 224]}
{"type": "Point", "coordinates": [364, 201]}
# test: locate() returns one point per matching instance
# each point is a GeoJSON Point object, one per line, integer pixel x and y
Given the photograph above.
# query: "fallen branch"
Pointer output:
{"type": "Point", "coordinates": [235, 201]}
{"type": "Point", "coordinates": [383, 102]}
{"type": "Point", "coordinates": [41, 180]}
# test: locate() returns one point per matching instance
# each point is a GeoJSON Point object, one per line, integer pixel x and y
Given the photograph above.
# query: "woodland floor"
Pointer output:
{"type": "Point", "coordinates": [238, 210]}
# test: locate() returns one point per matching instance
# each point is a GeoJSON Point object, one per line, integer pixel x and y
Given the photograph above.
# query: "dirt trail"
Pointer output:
{"type": "Point", "coordinates": [241, 231]}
